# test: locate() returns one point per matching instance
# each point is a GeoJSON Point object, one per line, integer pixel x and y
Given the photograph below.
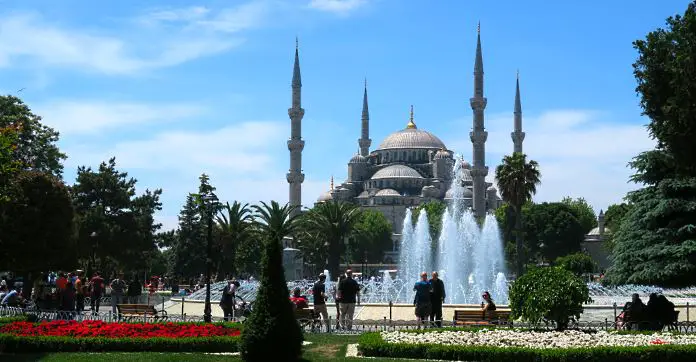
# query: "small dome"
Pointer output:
{"type": "Point", "coordinates": [326, 196]}
{"type": "Point", "coordinates": [396, 171]}
{"type": "Point", "coordinates": [387, 192]}
{"type": "Point", "coordinates": [442, 154]}
{"type": "Point", "coordinates": [358, 158]}
{"type": "Point", "coordinates": [466, 165]}
{"type": "Point", "coordinates": [466, 193]}
{"type": "Point", "coordinates": [492, 189]}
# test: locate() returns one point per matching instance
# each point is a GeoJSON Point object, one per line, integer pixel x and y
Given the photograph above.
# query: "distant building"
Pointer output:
{"type": "Point", "coordinates": [594, 243]}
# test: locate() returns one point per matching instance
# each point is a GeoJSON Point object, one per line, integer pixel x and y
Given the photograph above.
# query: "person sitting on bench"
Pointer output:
{"type": "Point", "coordinates": [488, 310]}
{"type": "Point", "coordinates": [299, 300]}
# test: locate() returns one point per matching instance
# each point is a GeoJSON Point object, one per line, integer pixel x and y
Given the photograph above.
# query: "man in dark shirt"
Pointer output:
{"type": "Point", "coordinates": [319, 295]}
{"type": "Point", "coordinates": [437, 297]}
{"type": "Point", "coordinates": [96, 285]}
{"type": "Point", "coordinates": [349, 291]}
{"type": "Point", "coordinates": [422, 298]}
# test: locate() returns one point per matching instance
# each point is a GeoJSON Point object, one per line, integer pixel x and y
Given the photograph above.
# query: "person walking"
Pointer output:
{"type": "Point", "coordinates": [227, 300]}
{"type": "Point", "coordinates": [422, 299]}
{"type": "Point", "coordinates": [437, 298]}
{"type": "Point", "coordinates": [118, 288]}
{"type": "Point", "coordinates": [96, 286]}
{"type": "Point", "coordinates": [319, 296]}
{"type": "Point", "coordinates": [349, 291]}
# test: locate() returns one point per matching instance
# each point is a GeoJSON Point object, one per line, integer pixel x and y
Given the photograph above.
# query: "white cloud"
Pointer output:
{"type": "Point", "coordinates": [581, 153]}
{"type": "Point", "coordinates": [173, 36]}
{"type": "Point", "coordinates": [90, 117]}
{"type": "Point", "coordinates": [341, 7]}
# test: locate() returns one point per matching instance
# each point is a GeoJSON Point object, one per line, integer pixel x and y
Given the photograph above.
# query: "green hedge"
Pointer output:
{"type": "Point", "coordinates": [372, 345]}
{"type": "Point", "coordinates": [17, 344]}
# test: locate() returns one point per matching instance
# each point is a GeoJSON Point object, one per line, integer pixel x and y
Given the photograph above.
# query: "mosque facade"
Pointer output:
{"type": "Point", "coordinates": [409, 167]}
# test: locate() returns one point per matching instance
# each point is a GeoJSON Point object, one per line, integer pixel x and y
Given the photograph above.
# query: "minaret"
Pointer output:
{"type": "Point", "coordinates": [478, 135]}
{"type": "Point", "coordinates": [364, 142]}
{"type": "Point", "coordinates": [518, 135]}
{"type": "Point", "coordinates": [600, 223]}
{"type": "Point", "coordinates": [295, 176]}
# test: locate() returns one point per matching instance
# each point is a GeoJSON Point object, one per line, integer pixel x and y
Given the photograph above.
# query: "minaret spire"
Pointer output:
{"type": "Point", "coordinates": [364, 142]}
{"type": "Point", "coordinates": [517, 135]}
{"type": "Point", "coordinates": [478, 135]}
{"type": "Point", "coordinates": [295, 176]}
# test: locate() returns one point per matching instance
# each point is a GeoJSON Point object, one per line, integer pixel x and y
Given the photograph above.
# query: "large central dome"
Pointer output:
{"type": "Point", "coordinates": [411, 138]}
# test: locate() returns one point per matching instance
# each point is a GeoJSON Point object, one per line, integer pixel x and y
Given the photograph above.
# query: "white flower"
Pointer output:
{"type": "Point", "coordinates": [551, 339]}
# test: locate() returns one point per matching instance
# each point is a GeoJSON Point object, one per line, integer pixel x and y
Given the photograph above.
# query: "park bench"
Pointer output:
{"type": "Point", "coordinates": [306, 317]}
{"type": "Point", "coordinates": [476, 317]}
{"type": "Point", "coordinates": [130, 311]}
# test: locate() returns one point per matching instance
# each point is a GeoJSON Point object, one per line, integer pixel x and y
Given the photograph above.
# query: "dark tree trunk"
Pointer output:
{"type": "Point", "coordinates": [334, 257]}
{"type": "Point", "coordinates": [519, 240]}
{"type": "Point", "coordinates": [28, 283]}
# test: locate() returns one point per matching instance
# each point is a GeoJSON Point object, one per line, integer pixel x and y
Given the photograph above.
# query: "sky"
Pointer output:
{"type": "Point", "coordinates": [177, 88]}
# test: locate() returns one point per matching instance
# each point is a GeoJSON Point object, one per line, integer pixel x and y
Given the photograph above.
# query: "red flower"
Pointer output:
{"type": "Point", "coordinates": [116, 330]}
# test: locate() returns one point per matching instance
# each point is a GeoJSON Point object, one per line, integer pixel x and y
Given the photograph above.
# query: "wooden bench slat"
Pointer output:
{"type": "Point", "coordinates": [476, 317]}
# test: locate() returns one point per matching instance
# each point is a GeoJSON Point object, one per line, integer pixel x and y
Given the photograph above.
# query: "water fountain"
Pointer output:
{"type": "Point", "coordinates": [468, 258]}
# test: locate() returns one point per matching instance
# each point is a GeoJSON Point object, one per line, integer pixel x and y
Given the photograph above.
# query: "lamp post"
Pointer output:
{"type": "Point", "coordinates": [208, 202]}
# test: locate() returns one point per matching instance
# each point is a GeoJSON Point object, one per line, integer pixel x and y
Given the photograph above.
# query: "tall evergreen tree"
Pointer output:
{"type": "Point", "coordinates": [271, 333]}
{"type": "Point", "coordinates": [656, 242]}
{"type": "Point", "coordinates": [189, 251]}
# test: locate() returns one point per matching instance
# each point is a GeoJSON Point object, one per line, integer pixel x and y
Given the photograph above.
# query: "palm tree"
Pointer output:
{"type": "Point", "coordinates": [234, 224]}
{"type": "Point", "coordinates": [517, 180]}
{"type": "Point", "coordinates": [274, 221]}
{"type": "Point", "coordinates": [334, 221]}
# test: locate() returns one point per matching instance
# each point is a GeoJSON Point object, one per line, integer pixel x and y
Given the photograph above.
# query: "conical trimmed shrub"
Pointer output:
{"type": "Point", "coordinates": [272, 333]}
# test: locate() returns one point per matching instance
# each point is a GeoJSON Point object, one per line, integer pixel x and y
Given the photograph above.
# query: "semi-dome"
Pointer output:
{"type": "Point", "coordinates": [411, 138]}
{"type": "Point", "coordinates": [396, 171]}
{"type": "Point", "coordinates": [595, 231]}
{"type": "Point", "coordinates": [387, 192]}
{"type": "Point", "coordinates": [358, 158]}
{"type": "Point", "coordinates": [466, 193]}
{"type": "Point", "coordinates": [442, 154]}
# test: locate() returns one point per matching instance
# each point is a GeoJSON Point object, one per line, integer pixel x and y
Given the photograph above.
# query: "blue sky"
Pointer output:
{"type": "Point", "coordinates": [177, 88]}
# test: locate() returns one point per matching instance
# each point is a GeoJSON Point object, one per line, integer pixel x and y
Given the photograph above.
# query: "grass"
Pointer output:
{"type": "Point", "coordinates": [323, 348]}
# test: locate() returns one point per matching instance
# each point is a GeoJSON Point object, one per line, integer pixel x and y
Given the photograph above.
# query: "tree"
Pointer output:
{"type": "Point", "coordinates": [235, 225]}
{"type": "Point", "coordinates": [372, 238]}
{"type": "Point", "coordinates": [38, 234]}
{"type": "Point", "coordinates": [552, 294]}
{"type": "Point", "coordinates": [434, 209]}
{"type": "Point", "coordinates": [506, 221]}
{"type": "Point", "coordinates": [517, 180]}
{"type": "Point", "coordinates": [666, 80]}
{"type": "Point", "coordinates": [552, 230]}
{"type": "Point", "coordinates": [114, 226]}
{"type": "Point", "coordinates": [272, 332]}
{"type": "Point", "coordinates": [615, 215]}
{"type": "Point", "coordinates": [583, 212]}
{"type": "Point", "coordinates": [188, 251]}
{"type": "Point", "coordinates": [36, 143]}
{"type": "Point", "coordinates": [333, 221]}
{"type": "Point", "coordinates": [9, 165]}
{"type": "Point", "coordinates": [578, 263]}
{"type": "Point", "coordinates": [656, 240]}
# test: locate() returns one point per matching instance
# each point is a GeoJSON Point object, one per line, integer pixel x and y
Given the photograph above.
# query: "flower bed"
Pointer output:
{"type": "Point", "coordinates": [98, 336]}
{"type": "Point", "coordinates": [519, 345]}
{"type": "Point", "coordinates": [518, 338]}
{"type": "Point", "coordinates": [117, 330]}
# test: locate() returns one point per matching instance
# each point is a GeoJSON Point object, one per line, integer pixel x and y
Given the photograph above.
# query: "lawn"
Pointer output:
{"type": "Point", "coordinates": [323, 348]}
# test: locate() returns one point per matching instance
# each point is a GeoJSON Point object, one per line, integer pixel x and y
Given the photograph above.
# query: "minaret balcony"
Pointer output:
{"type": "Point", "coordinates": [295, 145]}
{"type": "Point", "coordinates": [517, 136]}
{"type": "Point", "coordinates": [296, 113]}
{"type": "Point", "coordinates": [478, 103]}
{"type": "Point", "coordinates": [478, 137]}
{"type": "Point", "coordinates": [479, 171]}
{"type": "Point", "coordinates": [295, 177]}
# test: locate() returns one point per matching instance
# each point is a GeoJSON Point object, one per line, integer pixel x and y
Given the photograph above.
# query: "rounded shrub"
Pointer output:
{"type": "Point", "coordinates": [552, 294]}
{"type": "Point", "coordinates": [577, 263]}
